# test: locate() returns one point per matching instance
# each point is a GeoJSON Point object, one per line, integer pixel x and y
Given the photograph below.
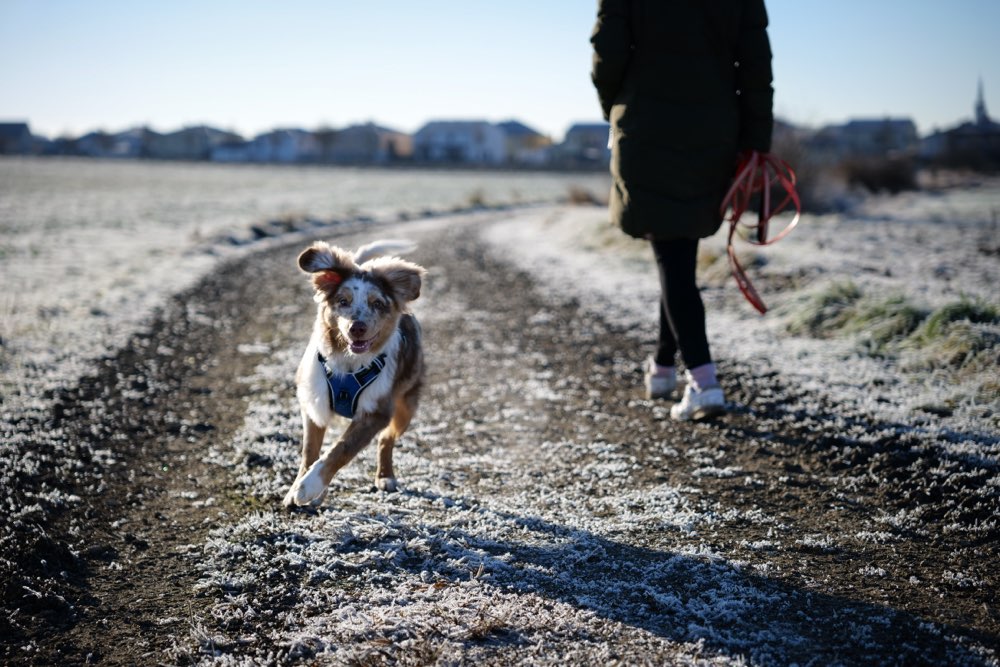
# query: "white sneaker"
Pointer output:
{"type": "Point", "coordinates": [699, 404]}
{"type": "Point", "coordinates": [659, 386]}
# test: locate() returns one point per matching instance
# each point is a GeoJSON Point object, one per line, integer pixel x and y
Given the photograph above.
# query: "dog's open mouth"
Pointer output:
{"type": "Point", "coordinates": [360, 346]}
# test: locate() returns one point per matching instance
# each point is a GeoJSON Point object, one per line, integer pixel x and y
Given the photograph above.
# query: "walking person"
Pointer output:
{"type": "Point", "coordinates": [686, 86]}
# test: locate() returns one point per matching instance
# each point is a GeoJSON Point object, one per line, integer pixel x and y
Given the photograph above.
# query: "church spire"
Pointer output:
{"type": "Point", "coordinates": [982, 118]}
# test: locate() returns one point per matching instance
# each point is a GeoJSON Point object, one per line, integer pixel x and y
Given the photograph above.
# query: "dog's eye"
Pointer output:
{"type": "Point", "coordinates": [379, 306]}
{"type": "Point", "coordinates": [343, 303]}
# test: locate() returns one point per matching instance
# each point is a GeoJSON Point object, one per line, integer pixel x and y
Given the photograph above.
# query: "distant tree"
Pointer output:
{"type": "Point", "coordinates": [326, 137]}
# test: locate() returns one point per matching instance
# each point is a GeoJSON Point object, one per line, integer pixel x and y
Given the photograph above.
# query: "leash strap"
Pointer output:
{"type": "Point", "coordinates": [345, 388]}
{"type": "Point", "coordinates": [758, 173]}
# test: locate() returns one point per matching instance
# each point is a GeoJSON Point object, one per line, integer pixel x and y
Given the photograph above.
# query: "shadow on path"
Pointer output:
{"type": "Point", "coordinates": [680, 597]}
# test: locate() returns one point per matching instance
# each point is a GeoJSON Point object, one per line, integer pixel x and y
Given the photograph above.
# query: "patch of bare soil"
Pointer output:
{"type": "Point", "coordinates": [101, 572]}
{"type": "Point", "coordinates": [863, 519]}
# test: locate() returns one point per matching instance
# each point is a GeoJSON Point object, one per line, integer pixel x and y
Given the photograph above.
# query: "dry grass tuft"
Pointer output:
{"type": "Point", "coordinates": [580, 196]}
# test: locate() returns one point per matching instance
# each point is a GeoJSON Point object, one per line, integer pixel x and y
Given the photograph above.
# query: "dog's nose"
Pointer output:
{"type": "Point", "coordinates": [358, 329]}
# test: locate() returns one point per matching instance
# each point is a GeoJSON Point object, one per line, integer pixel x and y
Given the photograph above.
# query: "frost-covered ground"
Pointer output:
{"type": "Point", "coordinates": [547, 515]}
{"type": "Point", "coordinates": [544, 521]}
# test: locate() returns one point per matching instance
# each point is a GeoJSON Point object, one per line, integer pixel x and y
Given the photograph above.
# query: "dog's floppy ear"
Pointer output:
{"type": "Point", "coordinates": [404, 278]}
{"type": "Point", "coordinates": [328, 264]}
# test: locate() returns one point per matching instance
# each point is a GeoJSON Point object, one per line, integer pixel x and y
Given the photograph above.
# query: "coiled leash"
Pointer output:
{"type": "Point", "coordinates": [758, 173]}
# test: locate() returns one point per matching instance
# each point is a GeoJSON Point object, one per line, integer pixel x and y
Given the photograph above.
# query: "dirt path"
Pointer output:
{"type": "Point", "coordinates": [548, 514]}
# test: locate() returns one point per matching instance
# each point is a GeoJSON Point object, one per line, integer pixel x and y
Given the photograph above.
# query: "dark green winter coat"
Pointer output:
{"type": "Point", "coordinates": [686, 85]}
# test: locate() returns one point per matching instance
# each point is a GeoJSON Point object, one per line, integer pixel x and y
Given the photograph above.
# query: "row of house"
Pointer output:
{"type": "Point", "coordinates": [510, 143]}
{"type": "Point", "coordinates": [973, 143]}
{"type": "Point", "coordinates": [864, 138]}
{"type": "Point", "coordinates": [462, 142]}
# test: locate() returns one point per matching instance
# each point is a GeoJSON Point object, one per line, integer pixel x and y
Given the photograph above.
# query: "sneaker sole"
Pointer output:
{"type": "Point", "coordinates": [708, 412]}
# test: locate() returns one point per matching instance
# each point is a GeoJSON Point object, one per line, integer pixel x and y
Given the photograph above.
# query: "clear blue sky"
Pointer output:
{"type": "Point", "coordinates": [70, 66]}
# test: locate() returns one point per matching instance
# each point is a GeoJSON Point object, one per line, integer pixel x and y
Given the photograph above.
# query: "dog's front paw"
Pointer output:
{"type": "Point", "coordinates": [385, 483]}
{"type": "Point", "coordinates": [289, 501]}
{"type": "Point", "coordinates": [308, 489]}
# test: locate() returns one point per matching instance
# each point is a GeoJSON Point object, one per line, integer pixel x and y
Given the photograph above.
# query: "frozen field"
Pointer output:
{"type": "Point", "coordinates": [88, 249]}
{"type": "Point", "coordinates": [844, 513]}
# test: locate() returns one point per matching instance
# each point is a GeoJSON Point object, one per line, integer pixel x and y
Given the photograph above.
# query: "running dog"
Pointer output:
{"type": "Point", "coordinates": [363, 362]}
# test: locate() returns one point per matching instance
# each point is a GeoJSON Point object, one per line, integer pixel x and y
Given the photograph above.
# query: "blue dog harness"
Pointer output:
{"type": "Point", "coordinates": [346, 388]}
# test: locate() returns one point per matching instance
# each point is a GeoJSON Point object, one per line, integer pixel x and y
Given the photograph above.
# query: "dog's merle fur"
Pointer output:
{"type": "Point", "coordinates": [362, 312]}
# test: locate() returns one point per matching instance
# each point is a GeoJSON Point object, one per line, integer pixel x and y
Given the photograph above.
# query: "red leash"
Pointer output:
{"type": "Point", "coordinates": [758, 173]}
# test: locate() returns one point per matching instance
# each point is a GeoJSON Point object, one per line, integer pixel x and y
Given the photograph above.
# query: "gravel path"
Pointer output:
{"type": "Point", "coordinates": [548, 514]}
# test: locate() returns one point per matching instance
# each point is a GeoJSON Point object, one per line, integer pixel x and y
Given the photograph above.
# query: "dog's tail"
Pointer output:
{"type": "Point", "coordinates": [384, 247]}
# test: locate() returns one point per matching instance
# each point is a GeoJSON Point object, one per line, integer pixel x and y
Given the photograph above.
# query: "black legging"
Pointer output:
{"type": "Point", "coordinates": [682, 314]}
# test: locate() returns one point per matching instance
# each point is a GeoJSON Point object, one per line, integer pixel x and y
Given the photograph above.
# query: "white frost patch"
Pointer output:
{"type": "Point", "coordinates": [720, 473]}
{"type": "Point", "coordinates": [821, 543]}
{"type": "Point", "coordinates": [962, 580]}
{"type": "Point", "coordinates": [872, 571]}
{"type": "Point", "coordinates": [253, 348]}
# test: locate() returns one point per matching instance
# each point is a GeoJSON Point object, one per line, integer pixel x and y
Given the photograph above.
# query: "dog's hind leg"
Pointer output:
{"type": "Point", "coordinates": [312, 442]}
{"type": "Point", "coordinates": [401, 416]}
